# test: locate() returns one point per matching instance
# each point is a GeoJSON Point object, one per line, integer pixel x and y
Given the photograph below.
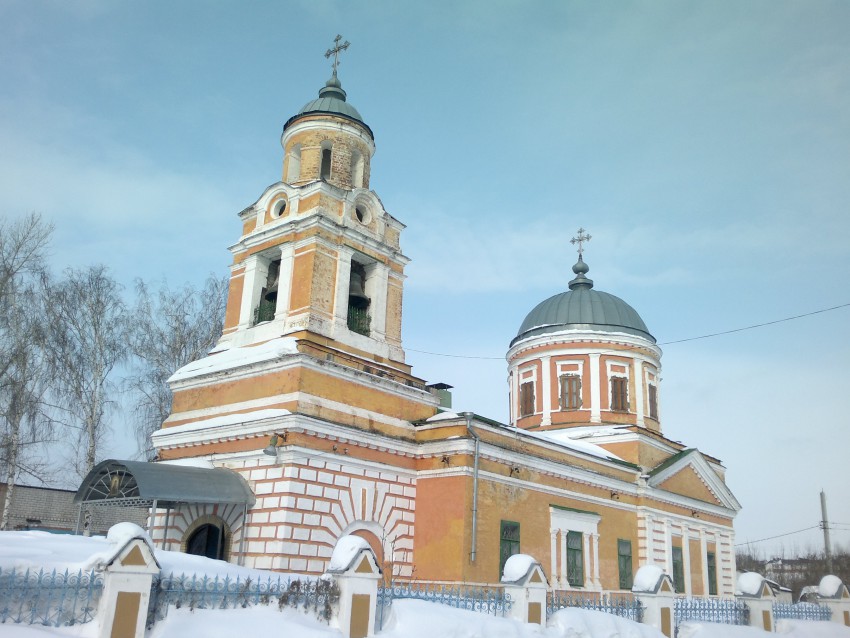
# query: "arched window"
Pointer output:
{"type": "Point", "coordinates": [207, 540]}
{"type": "Point", "coordinates": [326, 163]}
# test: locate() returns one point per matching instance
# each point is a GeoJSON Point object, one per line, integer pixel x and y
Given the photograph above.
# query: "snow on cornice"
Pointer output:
{"type": "Point", "coordinates": [236, 358]}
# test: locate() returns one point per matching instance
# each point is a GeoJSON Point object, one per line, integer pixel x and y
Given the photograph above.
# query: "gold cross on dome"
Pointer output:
{"type": "Point", "coordinates": [336, 50]}
{"type": "Point", "coordinates": [582, 237]}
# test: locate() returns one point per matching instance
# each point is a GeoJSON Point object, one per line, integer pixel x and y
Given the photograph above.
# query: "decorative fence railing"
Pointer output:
{"type": "Point", "coordinates": [801, 611]}
{"type": "Point", "coordinates": [623, 605]}
{"type": "Point", "coordinates": [714, 610]}
{"type": "Point", "coordinates": [488, 599]}
{"type": "Point", "coordinates": [54, 599]}
{"type": "Point", "coordinates": [205, 592]}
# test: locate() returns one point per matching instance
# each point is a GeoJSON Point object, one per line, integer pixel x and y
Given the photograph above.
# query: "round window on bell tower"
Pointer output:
{"type": "Point", "coordinates": [279, 209]}
{"type": "Point", "coordinates": [362, 215]}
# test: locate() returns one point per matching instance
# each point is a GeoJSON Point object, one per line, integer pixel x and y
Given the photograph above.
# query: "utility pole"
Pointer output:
{"type": "Point", "coordinates": [825, 526]}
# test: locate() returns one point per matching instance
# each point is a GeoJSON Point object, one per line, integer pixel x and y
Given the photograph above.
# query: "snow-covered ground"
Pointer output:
{"type": "Point", "coordinates": [408, 618]}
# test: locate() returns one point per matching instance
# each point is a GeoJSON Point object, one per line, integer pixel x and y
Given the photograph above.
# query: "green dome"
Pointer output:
{"type": "Point", "coordinates": [582, 308]}
{"type": "Point", "coordinates": [331, 101]}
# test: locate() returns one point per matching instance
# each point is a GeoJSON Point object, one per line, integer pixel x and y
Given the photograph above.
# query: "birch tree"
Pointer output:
{"type": "Point", "coordinates": [86, 341]}
{"type": "Point", "coordinates": [170, 329]}
{"type": "Point", "coordinates": [23, 424]}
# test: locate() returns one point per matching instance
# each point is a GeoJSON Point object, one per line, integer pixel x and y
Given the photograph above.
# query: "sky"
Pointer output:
{"type": "Point", "coordinates": [704, 146]}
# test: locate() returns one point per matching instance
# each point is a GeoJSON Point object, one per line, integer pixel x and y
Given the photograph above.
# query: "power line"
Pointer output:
{"type": "Point", "coordinates": [665, 343]}
{"type": "Point", "coordinates": [770, 538]}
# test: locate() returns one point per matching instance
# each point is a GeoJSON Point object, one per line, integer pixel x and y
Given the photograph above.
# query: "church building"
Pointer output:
{"type": "Point", "coordinates": [307, 397]}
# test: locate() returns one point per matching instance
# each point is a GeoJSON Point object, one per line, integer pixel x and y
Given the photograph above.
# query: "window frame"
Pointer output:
{"type": "Point", "coordinates": [527, 402]}
{"type": "Point", "coordinates": [624, 568]}
{"type": "Point", "coordinates": [570, 391]}
{"type": "Point", "coordinates": [507, 544]}
{"type": "Point", "coordinates": [575, 558]}
{"type": "Point", "coordinates": [711, 569]}
{"type": "Point", "coordinates": [619, 394]}
{"type": "Point", "coordinates": [678, 565]}
{"type": "Point", "coordinates": [652, 393]}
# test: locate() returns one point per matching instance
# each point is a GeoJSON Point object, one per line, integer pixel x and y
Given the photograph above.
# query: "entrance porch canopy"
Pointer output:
{"type": "Point", "coordinates": [140, 484]}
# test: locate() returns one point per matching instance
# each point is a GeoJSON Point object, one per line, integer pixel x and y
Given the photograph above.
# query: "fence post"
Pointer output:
{"type": "Point", "coordinates": [833, 594]}
{"type": "Point", "coordinates": [526, 584]}
{"type": "Point", "coordinates": [128, 573]}
{"type": "Point", "coordinates": [356, 571]}
{"type": "Point", "coordinates": [654, 590]}
{"type": "Point", "coordinates": [753, 590]}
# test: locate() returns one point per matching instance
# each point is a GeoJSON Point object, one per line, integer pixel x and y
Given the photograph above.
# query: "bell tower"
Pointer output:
{"type": "Point", "coordinates": [319, 256]}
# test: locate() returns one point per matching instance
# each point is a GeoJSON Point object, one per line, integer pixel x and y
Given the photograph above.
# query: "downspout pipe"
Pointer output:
{"type": "Point", "coordinates": [474, 435]}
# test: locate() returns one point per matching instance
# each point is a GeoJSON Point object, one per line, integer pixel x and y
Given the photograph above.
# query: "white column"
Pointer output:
{"type": "Point", "coordinates": [668, 546]}
{"type": "Point", "coordinates": [585, 544]}
{"type": "Point", "coordinates": [284, 281]}
{"type": "Point", "coordinates": [639, 387]}
{"type": "Point", "coordinates": [376, 289]}
{"type": "Point", "coordinates": [343, 278]}
{"type": "Point", "coordinates": [512, 396]}
{"type": "Point", "coordinates": [686, 559]}
{"type": "Point", "coordinates": [597, 583]}
{"type": "Point", "coordinates": [564, 578]}
{"type": "Point", "coordinates": [595, 394]}
{"type": "Point", "coordinates": [546, 383]}
{"type": "Point", "coordinates": [252, 283]}
{"type": "Point", "coordinates": [703, 550]}
{"type": "Point", "coordinates": [553, 548]}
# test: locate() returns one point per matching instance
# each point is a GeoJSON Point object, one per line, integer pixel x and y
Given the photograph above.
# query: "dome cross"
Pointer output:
{"type": "Point", "coordinates": [338, 48]}
{"type": "Point", "coordinates": [582, 237]}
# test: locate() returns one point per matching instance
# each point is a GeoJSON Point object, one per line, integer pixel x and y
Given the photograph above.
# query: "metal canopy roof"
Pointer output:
{"type": "Point", "coordinates": [136, 483]}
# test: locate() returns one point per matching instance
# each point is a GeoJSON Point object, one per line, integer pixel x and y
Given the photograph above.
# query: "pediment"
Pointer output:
{"type": "Point", "coordinates": [689, 474]}
{"type": "Point", "coordinates": [688, 482]}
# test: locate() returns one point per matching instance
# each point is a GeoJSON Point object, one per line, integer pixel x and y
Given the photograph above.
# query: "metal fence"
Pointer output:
{"type": "Point", "coordinates": [54, 599]}
{"type": "Point", "coordinates": [205, 592]}
{"type": "Point", "coordinates": [714, 610]}
{"type": "Point", "coordinates": [487, 599]}
{"type": "Point", "coordinates": [801, 611]}
{"type": "Point", "coordinates": [622, 605]}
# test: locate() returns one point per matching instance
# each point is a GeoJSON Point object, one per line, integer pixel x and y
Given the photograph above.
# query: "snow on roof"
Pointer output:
{"type": "Point", "coordinates": [236, 357]}
{"type": "Point", "coordinates": [202, 463]}
{"type": "Point", "coordinates": [749, 584]}
{"type": "Point", "coordinates": [442, 416]}
{"type": "Point", "coordinates": [565, 438]}
{"type": "Point", "coordinates": [517, 567]}
{"type": "Point", "coordinates": [347, 548]}
{"type": "Point", "coordinates": [646, 578]}
{"type": "Point", "coordinates": [223, 421]}
{"type": "Point", "coordinates": [830, 586]}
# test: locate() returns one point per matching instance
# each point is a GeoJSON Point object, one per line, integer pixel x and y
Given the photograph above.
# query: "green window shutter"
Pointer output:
{"type": "Point", "coordinates": [678, 571]}
{"type": "Point", "coordinates": [711, 560]}
{"type": "Point", "coordinates": [575, 559]}
{"type": "Point", "coordinates": [508, 543]}
{"type": "Point", "coordinates": [624, 563]}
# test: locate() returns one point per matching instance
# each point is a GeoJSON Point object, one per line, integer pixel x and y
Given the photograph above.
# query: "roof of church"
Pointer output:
{"type": "Point", "coordinates": [331, 101]}
{"type": "Point", "coordinates": [582, 308]}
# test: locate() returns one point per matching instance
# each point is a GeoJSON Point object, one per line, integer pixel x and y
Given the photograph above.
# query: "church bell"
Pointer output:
{"type": "Point", "coordinates": [356, 295]}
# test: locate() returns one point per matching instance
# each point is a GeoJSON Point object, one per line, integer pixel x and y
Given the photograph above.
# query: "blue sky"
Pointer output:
{"type": "Point", "coordinates": [703, 145]}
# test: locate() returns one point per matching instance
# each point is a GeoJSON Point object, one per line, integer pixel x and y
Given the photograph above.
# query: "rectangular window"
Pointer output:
{"type": "Point", "coordinates": [570, 392]}
{"type": "Point", "coordinates": [619, 394]}
{"type": "Point", "coordinates": [508, 543]}
{"type": "Point", "coordinates": [624, 562]}
{"type": "Point", "coordinates": [678, 571]}
{"type": "Point", "coordinates": [526, 398]}
{"type": "Point", "coordinates": [653, 402]}
{"type": "Point", "coordinates": [575, 559]}
{"type": "Point", "coordinates": [711, 560]}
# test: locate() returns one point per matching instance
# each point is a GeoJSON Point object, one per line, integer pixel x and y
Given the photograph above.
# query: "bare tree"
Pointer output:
{"type": "Point", "coordinates": [170, 329]}
{"type": "Point", "coordinates": [86, 341]}
{"type": "Point", "coordinates": [23, 425]}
